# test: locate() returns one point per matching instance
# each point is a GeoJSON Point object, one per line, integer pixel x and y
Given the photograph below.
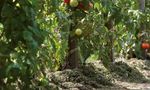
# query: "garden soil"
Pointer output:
{"type": "Point", "coordinates": [132, 74]}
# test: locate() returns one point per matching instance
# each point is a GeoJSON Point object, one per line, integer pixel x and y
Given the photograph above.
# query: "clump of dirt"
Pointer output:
{"type": "Point", "coordinates": [142, 65]}
{"type": "Point", "coordinates": [94, 76]}
{"type": "Point", "coordinates": [124, 72]}
{"type": "Point", "coordinates": [85, 78]}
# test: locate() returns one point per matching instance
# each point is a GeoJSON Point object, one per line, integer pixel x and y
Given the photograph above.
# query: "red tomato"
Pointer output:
{"type": "Point", "coordinates": [145, 45]}
{"type": "Point", "coordinates": [83, 7]}
{"type": "Point", "coordinates": [80, 6]}
{"type": "Point", "coordinates": [66, 1]}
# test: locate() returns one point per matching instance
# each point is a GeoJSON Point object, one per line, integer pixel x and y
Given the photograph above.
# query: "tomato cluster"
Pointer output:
{"type": "Point", "coordinates": [79, 4]}
{"type": "Point", "coordinates": [145, 46]}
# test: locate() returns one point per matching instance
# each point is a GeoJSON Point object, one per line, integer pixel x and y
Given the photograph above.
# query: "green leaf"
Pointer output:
{"type": "Point", "coordinates": [27, 35]}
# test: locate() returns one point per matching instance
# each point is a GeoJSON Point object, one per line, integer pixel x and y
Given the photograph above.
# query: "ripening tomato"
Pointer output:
{"type": "Point", "coordinates": [80, 6]}
{"type": "Point", "coordinates": [84, 7]}
{"type": "Point", "coordinates": [78, 32]}
{"type": "Point", "coordinates": [145, 45]}
{"type": "Point", "coordinates": [74, 3]}
{"type": "Point", "coordinates": [67, 1]}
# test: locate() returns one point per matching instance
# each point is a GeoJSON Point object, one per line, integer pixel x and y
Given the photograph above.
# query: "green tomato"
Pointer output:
{"type": "Point", "coordinates": [73, 3]}
{"type": "Point", "coordinates": [78, 32]}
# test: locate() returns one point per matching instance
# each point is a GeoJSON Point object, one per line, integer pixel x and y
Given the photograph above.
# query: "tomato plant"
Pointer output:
{"type": "Point", "coordinates": [49, 34]}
